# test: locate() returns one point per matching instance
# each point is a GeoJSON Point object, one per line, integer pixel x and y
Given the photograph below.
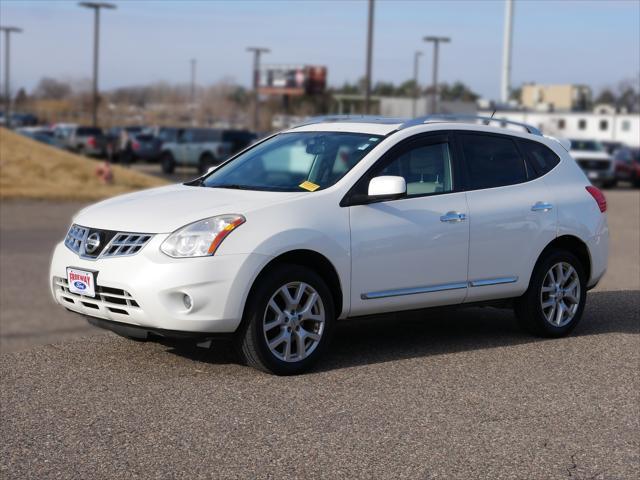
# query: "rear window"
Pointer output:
{"type": "Point", "coordinates": [587, 146]}
{"type": "Point", "coordinates": [492, 161]}
{"type": "Point", "coordinates": [540, 157]}
{"type": "Point", "coordinates": [84, 131]}
{"type": "Point", "coordinates": [206, 135]}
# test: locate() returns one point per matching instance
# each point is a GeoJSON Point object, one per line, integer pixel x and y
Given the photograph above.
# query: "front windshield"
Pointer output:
{"type": "Point", "coordinates": [587, 145]}
{"type": "Point", "coordinates": [294, 162]}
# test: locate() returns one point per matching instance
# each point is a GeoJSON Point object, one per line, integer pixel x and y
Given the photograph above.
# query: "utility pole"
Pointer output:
{"type": "Point", "coordinates": [416, 87]}
{"type": "Point", "coordinates": [96, 6]}
{"type": "Point", "coordinates": [257, 52]}
{"type": "Point", "coordinates": [436, 46]}
{"type": "Point", "coordinates": [505, 89]}
{"type": "Point", "coordinates": [367, 80]}
{"type": "Point", "coordinates": [193, 81]}
{"type": "Point", "coordinates": [7, 90]}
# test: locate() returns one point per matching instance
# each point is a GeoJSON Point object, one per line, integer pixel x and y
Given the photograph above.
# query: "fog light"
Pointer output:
{"type": "Point", "coordinates": [188, 303]}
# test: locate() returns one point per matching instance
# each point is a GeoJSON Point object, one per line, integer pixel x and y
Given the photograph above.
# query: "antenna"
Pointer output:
{"type": "Point", "coordinates": [494, 112]}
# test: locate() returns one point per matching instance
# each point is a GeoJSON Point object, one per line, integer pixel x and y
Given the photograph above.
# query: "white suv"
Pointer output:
{"type": "Point", "coordinates": [339, 218]}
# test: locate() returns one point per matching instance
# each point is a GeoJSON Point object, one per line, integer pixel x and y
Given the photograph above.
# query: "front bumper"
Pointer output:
{"type": "Point", "coordinates": [147, 289]}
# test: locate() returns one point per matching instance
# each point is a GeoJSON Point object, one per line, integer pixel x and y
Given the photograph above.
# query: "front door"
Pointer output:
{"type": "Point", "coordinates": [411, 252]}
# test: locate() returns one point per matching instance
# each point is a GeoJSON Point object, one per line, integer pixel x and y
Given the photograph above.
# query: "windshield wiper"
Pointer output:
{"type": "Point", "coordinates": [233, 186]}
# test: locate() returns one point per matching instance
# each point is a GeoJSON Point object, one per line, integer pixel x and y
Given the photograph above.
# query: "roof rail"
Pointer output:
{"type": "Point", "coordinates": [468, 119]}
{"type": "Point", "coordinates": [352, 119]}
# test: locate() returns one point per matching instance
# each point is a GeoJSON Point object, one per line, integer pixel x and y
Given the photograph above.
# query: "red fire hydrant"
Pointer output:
{"type": "Point", "coordinates": [104, 172]}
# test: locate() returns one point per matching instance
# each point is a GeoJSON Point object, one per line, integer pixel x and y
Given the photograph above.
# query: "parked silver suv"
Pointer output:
{"type": "Point", "coordinates": [197, 147]}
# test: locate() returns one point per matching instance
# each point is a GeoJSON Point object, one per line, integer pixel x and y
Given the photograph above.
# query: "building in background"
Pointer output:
{"type": "Point", "coordinates": [603, 124]}
{"type": "Point", "coordinates": [555, 97]}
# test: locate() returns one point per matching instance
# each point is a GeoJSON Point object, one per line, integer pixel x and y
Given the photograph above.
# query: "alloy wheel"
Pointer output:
{"type": "Point", "coordinates": [560, 294]}
{"type": "Point", "coordinates": [294, 321]}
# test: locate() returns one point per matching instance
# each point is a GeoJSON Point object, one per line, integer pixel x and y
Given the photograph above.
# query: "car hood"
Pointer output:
{"type": "Point", "coordinates": [165, 209]}
{"type": "Point", "coordinates": [587, 155]}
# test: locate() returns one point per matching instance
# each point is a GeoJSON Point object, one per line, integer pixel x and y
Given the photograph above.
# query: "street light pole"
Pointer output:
{"type": "Point", "coordinates": [7, 90]}
{"type": "Point", "coordinates": [367, 86]}
{"type": "Point", "coordinates": [193, 81]}
{"type": "Point", "coordinates": [436, 44]}
{"type": "Point", "coordinates": [416, 88]}
{"type": "Point", "coordinates": [257, 52]}
{"type": "Point", "coordinates": [96, 6]}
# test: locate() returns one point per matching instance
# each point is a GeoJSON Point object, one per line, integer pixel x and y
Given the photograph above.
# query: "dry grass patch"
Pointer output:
{"type": "Point", "coordinates": [29, 169]}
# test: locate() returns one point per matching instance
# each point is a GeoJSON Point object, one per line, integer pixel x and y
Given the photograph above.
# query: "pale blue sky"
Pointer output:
{"type": "Point", "coordinates": [593, 42]}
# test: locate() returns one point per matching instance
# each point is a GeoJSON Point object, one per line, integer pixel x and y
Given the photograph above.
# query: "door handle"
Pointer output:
{"type": "Point", "coordinates": [453, 217]}
{"type": "Point", "coordinates": [541, 207]}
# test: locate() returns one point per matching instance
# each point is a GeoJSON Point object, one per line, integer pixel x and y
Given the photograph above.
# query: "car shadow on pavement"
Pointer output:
{"type": "Point", "coordinates": [385, 338]}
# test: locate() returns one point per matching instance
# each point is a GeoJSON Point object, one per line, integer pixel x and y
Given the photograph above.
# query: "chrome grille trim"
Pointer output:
{"type": "Point", "coordinates": [122, 244]}
{"type": "Point", "coordinates": [76, 237]}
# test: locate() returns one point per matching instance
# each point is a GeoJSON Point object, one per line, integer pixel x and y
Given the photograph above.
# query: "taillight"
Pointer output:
{"type": "Point", "coordinates": [91, 142]}
{"type": "Point", "coordinates": [136, 146]}
{"type": "Point", "coordinates": [598, 196]}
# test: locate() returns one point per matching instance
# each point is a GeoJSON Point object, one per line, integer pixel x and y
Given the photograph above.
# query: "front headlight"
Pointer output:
{"type": "Point", "coordinates": [201, 238]}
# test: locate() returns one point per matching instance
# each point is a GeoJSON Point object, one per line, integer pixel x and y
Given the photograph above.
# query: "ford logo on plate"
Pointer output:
{"type": "Point", "coordinates": [79, 285]}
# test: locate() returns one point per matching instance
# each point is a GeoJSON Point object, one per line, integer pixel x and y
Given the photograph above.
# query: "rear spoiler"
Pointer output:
{"type": "Point", "coordinates": [565, 143]}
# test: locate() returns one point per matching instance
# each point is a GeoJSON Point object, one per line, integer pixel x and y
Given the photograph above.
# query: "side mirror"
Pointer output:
{"type": "Point", "coordinates": [387, 187]}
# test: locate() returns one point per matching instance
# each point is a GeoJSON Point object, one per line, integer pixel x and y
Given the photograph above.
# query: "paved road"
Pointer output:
{"type": "Point", "coordinates": [442, 394]}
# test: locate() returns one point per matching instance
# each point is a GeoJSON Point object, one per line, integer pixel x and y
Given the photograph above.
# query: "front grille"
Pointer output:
{"type": "Point", "coordinates": [115, 300]}
{"type": "Point", "coordinates": [594, 164]}
{"type": "Point", "coordinates": [125, 244]}
{"type": "Point", "coordinates": [82, 240]}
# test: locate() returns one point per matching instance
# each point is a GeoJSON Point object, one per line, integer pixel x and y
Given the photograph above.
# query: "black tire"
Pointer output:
{"type": "Point", "coordinates": [251, 341]}
{"type": "Point", "coordinates": [528, 308]}
{"type": "Point", "coordinates": [206, 161]}
{"type": "Point", "coordinates": [168, 163]}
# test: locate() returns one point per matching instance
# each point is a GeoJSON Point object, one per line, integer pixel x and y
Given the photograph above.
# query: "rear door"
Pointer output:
{"type": "Point", "coordinates": [512, 215]}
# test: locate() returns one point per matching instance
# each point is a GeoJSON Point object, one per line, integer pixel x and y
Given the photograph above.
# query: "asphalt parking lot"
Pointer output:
{"type": "Point", "coordinates": [438, 394]}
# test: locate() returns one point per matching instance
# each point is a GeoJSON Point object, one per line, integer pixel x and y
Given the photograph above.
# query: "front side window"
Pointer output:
{"type": "Point", "coordinates": [427, 169]}
{"type": "Point", "coordinates": [492, 161]}
{"type": "Point", "coordinates": [294, 162]}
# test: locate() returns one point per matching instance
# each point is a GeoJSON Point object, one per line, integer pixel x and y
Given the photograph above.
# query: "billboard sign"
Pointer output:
{"type": "Point", "coordinates": [292, 79]}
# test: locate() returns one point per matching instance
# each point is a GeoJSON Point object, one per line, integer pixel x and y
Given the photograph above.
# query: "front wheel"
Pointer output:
{"type": "Point", "coordinates": [288, 321]}
{"type": "Point", "coordinates": [168, 163]}
{"type": "Point", "coordinates": [553, 304]}
{"type": "Point", "coordinates": [206, 161]}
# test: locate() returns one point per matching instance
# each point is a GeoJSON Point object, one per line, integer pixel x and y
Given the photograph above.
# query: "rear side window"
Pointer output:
{"type": "Point", "coordinates": [492, 161]}
{"type": "Point", "coordinates": [84, 131]}
{"type": "Point", "coordinates": [540, 157]}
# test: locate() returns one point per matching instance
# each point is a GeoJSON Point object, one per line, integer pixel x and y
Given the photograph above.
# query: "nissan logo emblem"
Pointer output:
{"type": "Point", "coordinates": [92, 243]}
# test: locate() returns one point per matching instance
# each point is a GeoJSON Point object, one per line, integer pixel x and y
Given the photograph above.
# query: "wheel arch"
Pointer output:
{"type": "Point", "coordinates": [574, 245]}
{"type": "Point", "coordinates": [314, 261]}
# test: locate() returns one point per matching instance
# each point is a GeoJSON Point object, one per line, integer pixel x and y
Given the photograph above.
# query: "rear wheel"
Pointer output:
{"type": "Point", "coordinates": [553, 304]}
{"type": "Point", "coordinates": [288, 321]}
{"type": "Point", "coordinates": [168, 163]}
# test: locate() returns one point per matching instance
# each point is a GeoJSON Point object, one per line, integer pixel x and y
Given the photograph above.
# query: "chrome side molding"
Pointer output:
{"type": "Point", "coordinates": [437, 288]}
{"type": "Point", "coordinates": [492, 281]}
{"type": "Point", "coordinates": [412, 291]}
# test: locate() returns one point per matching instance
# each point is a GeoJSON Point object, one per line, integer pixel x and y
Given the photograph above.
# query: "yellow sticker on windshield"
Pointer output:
{"type": "Point", "coordinates": [307, 185]}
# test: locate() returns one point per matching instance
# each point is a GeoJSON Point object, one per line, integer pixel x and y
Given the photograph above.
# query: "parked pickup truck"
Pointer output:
{"type": "Point", "coordinates": [197, 147]}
